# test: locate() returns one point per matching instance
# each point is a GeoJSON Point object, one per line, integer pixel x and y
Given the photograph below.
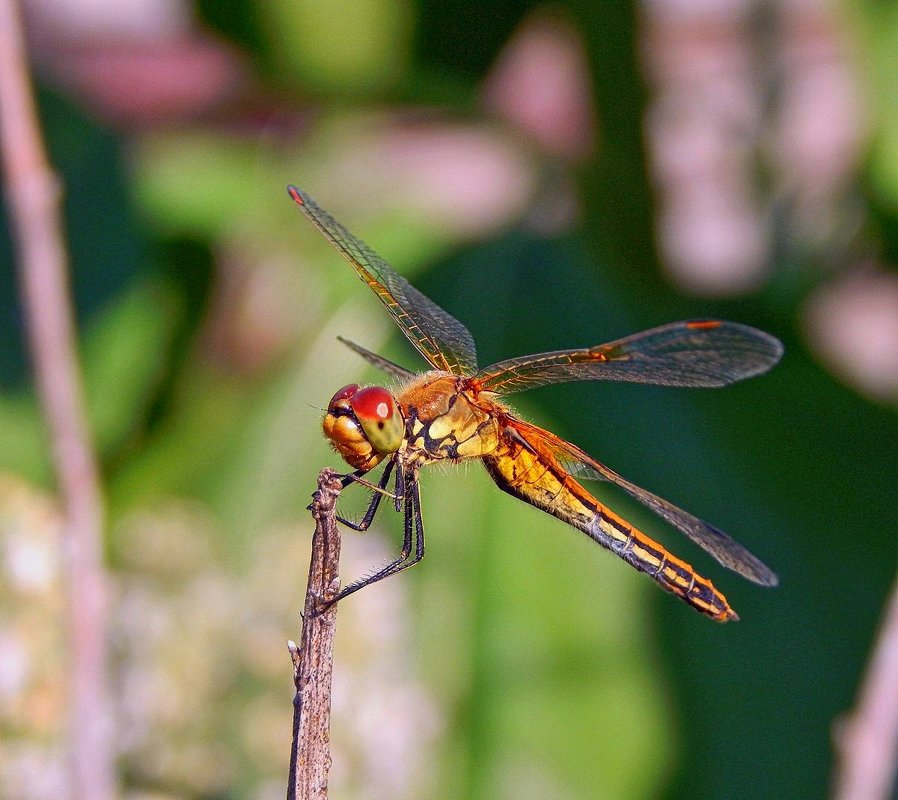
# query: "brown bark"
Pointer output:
{"type": "Point", "coordinates": [310, 757]}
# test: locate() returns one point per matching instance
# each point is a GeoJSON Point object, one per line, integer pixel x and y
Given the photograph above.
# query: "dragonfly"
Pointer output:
{"type": "Point", "coordinates": [456, 411]}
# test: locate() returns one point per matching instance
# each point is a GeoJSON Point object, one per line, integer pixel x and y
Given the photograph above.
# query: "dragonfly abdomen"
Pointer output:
{"type": "Point", "coordinates": [519, 468]}
{"type": "Point", "coordinates": [648, 556]}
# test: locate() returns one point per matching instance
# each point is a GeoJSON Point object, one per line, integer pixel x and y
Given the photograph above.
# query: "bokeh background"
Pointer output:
{"type": "Point", "coordinates": [554, 175]}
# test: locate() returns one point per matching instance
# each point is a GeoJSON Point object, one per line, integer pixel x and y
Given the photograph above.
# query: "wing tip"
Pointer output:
{"type": "Point", "coordinates": [771, 350]}
{"type": "Point", "coordinates": [296, 195]}
{"type": "Point", "coordinates": [776, 348]}
{"type": "Point", "coordinates": [755, 570]}
{"type": "Point", "coordinates": [769, 579]}
{"type": "Point", "coordinates": [768, 349]}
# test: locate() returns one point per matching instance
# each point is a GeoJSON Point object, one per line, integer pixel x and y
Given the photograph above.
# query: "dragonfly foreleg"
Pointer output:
{"type": "Point", "coordinates": [380, 491]}
{"type": "Point", "coordinates": [413, 532]}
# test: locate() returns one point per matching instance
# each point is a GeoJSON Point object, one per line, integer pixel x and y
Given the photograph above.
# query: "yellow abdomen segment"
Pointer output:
{"type": "Point", "coordinates": [519, 468]}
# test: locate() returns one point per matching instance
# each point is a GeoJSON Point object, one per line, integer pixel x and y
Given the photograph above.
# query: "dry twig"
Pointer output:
{"type": "Point", "coordinates": [310, 758]}
{"type": "Point", "coordinates": [33, 199]}
{"type": "Point", "coordinates": [868, 739]}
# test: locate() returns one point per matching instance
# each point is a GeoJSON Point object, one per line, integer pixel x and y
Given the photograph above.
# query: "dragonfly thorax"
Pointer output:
{"type": "Point", "coordinates": [364, 425]}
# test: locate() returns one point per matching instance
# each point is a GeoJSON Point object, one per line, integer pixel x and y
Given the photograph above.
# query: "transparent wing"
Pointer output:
{"type": "Point", "coordinates": [440, 338]}
{"type": "Point", "coordinates": [390, 367]}
{"type": "Point", "coordinates": [694, 353]}
{"type": "Point", "coordinates": [726, 550]}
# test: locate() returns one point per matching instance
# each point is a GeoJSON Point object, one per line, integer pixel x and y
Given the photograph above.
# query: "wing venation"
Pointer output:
{"type": "Point", "coordinates": [438, 336]}
{"type": "Point", "coordinates": [698, 353]}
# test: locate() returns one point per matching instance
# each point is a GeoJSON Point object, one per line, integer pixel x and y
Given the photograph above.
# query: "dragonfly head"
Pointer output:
{"type": "Point", "coordinates": [364, 425]}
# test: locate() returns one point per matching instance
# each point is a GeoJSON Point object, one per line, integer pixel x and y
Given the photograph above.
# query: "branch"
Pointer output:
{"type": "Point", "coordinates": [33, 199]}
{"type": "Point", "coordinates": [310, 757]}
{"type": "Point", "coordinates": [867, 741]}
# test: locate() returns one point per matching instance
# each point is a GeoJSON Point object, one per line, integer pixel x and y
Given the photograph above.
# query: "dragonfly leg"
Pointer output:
{"type": "Point", "coordinates": [380, 491]}
{"type": "Point", "coordinates": [413, 533]}
{"type": "Point", "coordinates": [377, 488]}
{"type": "Point", "coordinates": [399, 494]}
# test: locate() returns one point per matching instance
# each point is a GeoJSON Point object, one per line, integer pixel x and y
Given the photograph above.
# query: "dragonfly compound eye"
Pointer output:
{"type": "Point", "coordinates": [342, 428]}
{"type": "Point", "coordinates": [342, 397]}
{"type": "Point", "coordinates": [380, 418]}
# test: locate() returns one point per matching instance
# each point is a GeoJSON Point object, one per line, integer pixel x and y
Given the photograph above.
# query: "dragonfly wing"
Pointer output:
{"type": "Point", "coordinates": [702, 353]}
{"type": "Point", "coordinates": [726, 550]}
{"type": "Point", "coordinates": [400, 373]}
{"type": "Point", "coordinates": [438, 336]}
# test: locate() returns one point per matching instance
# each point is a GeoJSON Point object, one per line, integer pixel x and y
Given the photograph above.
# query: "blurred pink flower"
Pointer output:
{"type": "Point", "coordinates": [745, 117]}
{"type": "Point", "coordinates": [852, 325]}
{"type": "Point", "coordinates": [700, 130]}
{"type": "Point", "coordinates": [464, 180]}
{"type": "Point", "coordinates": [822, 121]}
{"type": "Point", "coordinates": [133, 64]}
{"type": "Point", "coordinates": [541, 83]}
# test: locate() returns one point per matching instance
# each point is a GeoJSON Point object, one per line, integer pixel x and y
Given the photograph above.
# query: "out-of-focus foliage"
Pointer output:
{"type": "Point", "coordinates": [517, 660]}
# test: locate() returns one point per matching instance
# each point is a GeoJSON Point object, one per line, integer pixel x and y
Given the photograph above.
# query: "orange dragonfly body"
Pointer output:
{"type": "Point", "coordinates": [454, 412]}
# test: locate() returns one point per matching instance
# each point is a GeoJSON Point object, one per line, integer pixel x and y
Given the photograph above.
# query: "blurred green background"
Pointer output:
{"type": "Point", "coordinates": [553, 176]}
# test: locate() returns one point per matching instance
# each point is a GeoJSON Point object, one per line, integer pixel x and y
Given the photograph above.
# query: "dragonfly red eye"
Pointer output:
{"type": "Point", "coordinates": [372, 403]}
{"type": "Point", "coordinates": [344, 394]}
{"type": "Point", "coordinates": [380, 418]}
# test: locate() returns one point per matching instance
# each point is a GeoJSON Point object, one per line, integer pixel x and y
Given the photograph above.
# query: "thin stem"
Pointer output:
{"type": "Point", "coordinates": [33, 198]}
{"type": "Point", "coordinates": [310, 757]}
{"type": "Point", "coordinates": [867, 740]}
